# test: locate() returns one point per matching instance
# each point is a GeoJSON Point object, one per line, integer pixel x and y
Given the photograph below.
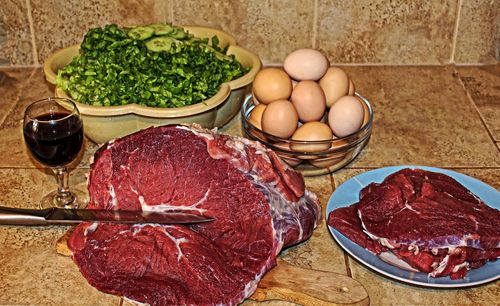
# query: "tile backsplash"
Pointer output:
{"type": "Point", "coordinates": [387, 32]}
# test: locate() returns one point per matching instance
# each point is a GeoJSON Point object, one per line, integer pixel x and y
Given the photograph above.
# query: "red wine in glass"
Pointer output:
{"type": "Point", "coordinates": [53, 133]}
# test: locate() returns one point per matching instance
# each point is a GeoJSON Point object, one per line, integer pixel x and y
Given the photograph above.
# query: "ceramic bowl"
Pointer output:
{"type": "Point", "coordinates": [103, 123]}
{"type": "Point", "coordinates": [308, 159]}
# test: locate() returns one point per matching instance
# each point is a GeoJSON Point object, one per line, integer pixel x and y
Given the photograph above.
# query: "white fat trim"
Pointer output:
{"type": "Point", "coordinates": [138, 227]}
{"type": "Point", "coordinates": [382, 241]}
{"type": "Point", "coordinates": [415, 248]}
{"type": "Point", "coordinates": [112, 194]}
{"type": "Point", "coordinates": [177, 242]}
{"type": "Point", "coordinates": [236, 145]}
{"type": "Point", "coordinates": [440, 267]}
{"type": "Point", "coordinates": [127, 168]}
{"type": "Point", "coordinates": [166, 207]}
{"type": "Point", "coordinates": [135, 302]}
{"type": "Point", "coordinates": [133, 190]}
{"type": "Point", "coordinates": [197, 131]}
{"type": "Point", "coordinates": [109, 144]}
{"type": "Point", "coordinates": [392, 259]}
{"type": "Point", "coordinates": [460, 266]}
{"type": "Point", "coordinates": [411, 208]}
{"type": "Point", "coordinates": [90, 229]}
{"type": "Point", "coordinates": [251, 286]}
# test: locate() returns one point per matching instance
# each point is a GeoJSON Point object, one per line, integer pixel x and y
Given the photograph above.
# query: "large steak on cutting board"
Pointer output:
{"type": "Point", "coordinates": [260, 206]}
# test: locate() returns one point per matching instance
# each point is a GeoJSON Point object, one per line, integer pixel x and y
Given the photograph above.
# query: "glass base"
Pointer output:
{"type": "Point", "coordinates": [70, 199]}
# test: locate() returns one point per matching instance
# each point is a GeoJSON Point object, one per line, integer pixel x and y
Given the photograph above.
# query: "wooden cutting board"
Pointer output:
{"type": "Point", "coordinates": [290, 283]}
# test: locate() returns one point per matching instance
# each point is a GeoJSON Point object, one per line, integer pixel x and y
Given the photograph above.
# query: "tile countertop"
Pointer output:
{"type": "Point", "coordinates": [441, 116]}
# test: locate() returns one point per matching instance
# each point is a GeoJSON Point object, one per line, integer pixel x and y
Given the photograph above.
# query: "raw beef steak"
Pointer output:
{"type": "Point", "coordinates": [259, 206]}
{"type": "Point", "coordinates": [427, 219]}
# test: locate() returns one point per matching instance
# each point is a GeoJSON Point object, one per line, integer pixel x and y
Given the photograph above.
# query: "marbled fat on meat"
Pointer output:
{"type": "Point", "coordinates": [258, 204]}
{"type": "Point", "coordinates": [427, 219]}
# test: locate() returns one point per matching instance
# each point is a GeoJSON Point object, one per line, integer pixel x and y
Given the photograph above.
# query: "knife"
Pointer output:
{"type": "Point", "coordinates": [64, 216]}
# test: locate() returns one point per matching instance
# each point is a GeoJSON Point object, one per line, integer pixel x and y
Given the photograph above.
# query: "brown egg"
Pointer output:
{"type": "Point", "coordinates": [312, 131]}
{"type": "Point", "coordinates": [352, 89]}
{"type": "Point", "coordinates": [306, 64]}
{"type": "Point", "coordinates": [255, 117]}
{"type": "Point", "coordinates": [335, 84]}
{"type": "Point", "coordinates": [280, 119]}
{"type": "Point", "coordinates": [309, 101]}
{"type": "Point", "coordinates": [254, 99]}
{"type": "Point", "coordinates": [366, 112]}
{"type": "Point", "coordinates": [287, 158]}
{"type": "Point", "coordinates": [346, 116]}
{"type": "Point", "coordinates": [271, 84]}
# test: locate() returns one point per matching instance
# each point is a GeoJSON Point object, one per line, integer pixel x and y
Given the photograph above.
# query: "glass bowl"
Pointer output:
{"type": "Point", "coordinates": [310, 157]}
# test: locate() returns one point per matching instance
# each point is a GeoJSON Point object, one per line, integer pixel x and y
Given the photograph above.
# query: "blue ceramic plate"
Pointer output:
{"type": "Point", "coordinates": [348, 193]}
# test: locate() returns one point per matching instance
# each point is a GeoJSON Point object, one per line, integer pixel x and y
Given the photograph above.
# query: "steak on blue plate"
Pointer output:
{"type": "Point", "coordinates": [427, 219]}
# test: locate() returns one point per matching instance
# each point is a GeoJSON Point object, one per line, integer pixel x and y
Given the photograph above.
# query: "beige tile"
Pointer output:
{"type": "Point", "coordinates": [270, 28]}
{"type": "Point", "coordinates": [38, 276]}
{"type": "Point", "coordinates": [378, 31]}
{"type": "Point", "coordinates": [478, 33]}
{"type": "Point", "coordinates": [422, 117]}
{"type": "Point", "coordinates": [233, 127]}
{"type": "Point", "coordinates": [15, 35]}
{"type": "Point", "coordinates": [56, 26]}
{"type": "Point", "coordinates": [488, 176]}
{"type": "Point", "coordinates": [482, 83]}
{"type": "Point", "coordinates": [11, 84]}
{"type": "Point", "coordinates": [25, 187]}
{"type": "Point", "coordinates": [13, 149]}
{"type": "Point", "coordinates": [31, 271]}
{"type": "Point", "coordinates": [320, 252]}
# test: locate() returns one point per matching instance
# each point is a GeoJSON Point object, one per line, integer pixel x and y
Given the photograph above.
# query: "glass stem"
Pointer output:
{"type": "Point", "coordinates": [64, 197]}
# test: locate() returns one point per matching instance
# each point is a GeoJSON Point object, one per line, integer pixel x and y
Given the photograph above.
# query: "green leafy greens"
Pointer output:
{"type": "Point", "coordinates": [169, 68]}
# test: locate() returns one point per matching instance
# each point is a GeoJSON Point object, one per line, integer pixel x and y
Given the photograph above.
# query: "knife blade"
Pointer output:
{"type": "Point", "coordinates": [64, 216]}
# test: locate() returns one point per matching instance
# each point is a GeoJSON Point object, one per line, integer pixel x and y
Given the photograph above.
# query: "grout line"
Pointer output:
{"type": "Point", "coordinates": [315, 24]}
{"type": "Point", "coordinates": [18, 98]}
{"type": "Point", "coordinates": [471, 100]}
{"type": "Point", "coordinates": [32, 30]}
{"type": "Point", "coordinates": [332, 181]}
{"type": "Point", "coordinates": [455, 32]}
{"type": "Point", "coordinates": [347, 262]}
{"type": "Point", "coordinates": [267, 64]}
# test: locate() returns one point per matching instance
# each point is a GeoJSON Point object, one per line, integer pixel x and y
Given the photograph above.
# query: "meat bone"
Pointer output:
{"type": "Point", "coordinates": [290, 283]}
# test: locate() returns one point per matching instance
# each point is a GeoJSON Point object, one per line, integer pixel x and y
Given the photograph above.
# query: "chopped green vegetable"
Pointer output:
{"type": "Point", "coordinates": [168, 68]}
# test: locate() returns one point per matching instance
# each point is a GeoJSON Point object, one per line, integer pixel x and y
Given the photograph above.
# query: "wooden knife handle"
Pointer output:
{"type": "Point", "coordinates": [310, 287]}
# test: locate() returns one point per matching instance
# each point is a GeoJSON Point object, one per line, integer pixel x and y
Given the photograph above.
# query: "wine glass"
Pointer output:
{"type": "Point", "coordinates": [53, 132]}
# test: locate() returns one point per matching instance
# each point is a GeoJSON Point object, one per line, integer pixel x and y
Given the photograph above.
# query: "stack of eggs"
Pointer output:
{"type": "Point", "coordinates": [307, 101]}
